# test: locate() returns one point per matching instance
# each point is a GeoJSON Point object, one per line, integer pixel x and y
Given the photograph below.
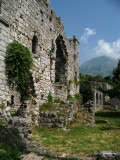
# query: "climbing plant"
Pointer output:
{"type": "Point", "coordinates": [18, 64]}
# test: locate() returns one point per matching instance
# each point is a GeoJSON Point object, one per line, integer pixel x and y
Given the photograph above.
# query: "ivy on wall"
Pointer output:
{"type": "Point", "coordinates": [18, 64]}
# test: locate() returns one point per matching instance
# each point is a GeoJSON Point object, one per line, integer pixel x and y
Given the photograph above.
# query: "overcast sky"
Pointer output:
{"type": "Point", "coordinates": [96, 24]}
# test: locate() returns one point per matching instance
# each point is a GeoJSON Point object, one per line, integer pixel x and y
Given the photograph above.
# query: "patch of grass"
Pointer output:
{"type": "Point", "coordinates": [47, 106]}
{"type": "Point", "coordinates": [81, 139]}
{"type": "Point", "coordinates": [58, 100]}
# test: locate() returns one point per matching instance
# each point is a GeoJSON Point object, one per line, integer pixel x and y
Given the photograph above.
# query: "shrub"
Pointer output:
{"type": "Point", "coordinates": [9, 153]}
{"type": "Point", "coordinates": [18, 64]}
{"type": "Point", "coordinates": [78, 97]}
{"type": "Point", "coordinates": [50, 98]}
{"type": "Point", "coordinates": [86, 91]}
{"type": "Point", "coordinates": [70, 97]}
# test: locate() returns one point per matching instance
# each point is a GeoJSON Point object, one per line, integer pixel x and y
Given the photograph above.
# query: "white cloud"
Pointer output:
{"type": "Point", "coordinates": [108, 49]}
{"type": "Point", "coordinates": [87, 33]}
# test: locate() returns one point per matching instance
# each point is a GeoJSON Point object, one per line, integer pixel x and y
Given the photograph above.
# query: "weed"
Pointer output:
{"type": "Point", "coordinates": [37, 79]}
{"type": "Point", "coordinates": [50, 98]}
{"type": "Point", "coordinates": [78, 97]}
{"type": "Point", "coordinates": [47, 106]}
{"type": "Point", "coordinates": [2, 106]}
{"type": "Point", "coordinates": [12, 113]}
{"type": "Point", "coordinates": [58, 100]}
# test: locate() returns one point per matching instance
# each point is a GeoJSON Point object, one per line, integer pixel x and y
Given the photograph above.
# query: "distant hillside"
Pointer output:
{"type": "Point", "coordinates": [99, 66]}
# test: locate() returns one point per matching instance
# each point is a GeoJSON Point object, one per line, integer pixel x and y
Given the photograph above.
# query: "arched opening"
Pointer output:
{"type": "Point", "coordinates": [69, 87]}
{"type": "Point", "coordinates": [61, 61]}
{"type": "Point", "coordinates": [12, 100]}
{"type": "Point", "coordinates": [34, 44]}
{"type": "Point", "coordinates": [100, 99]}
{"type": "Point", "coordinates": [51, 68]}
{"type": "Point", "coordinates": [75, 79]}
{"type": "Point", "coordinates": [96, 98]}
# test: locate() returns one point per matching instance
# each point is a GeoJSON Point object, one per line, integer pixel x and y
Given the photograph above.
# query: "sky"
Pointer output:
{"type": "Point", "coordinates": [95, 23]}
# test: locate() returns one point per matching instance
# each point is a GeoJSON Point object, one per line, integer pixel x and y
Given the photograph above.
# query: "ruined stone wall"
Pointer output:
{"type": "Point", "coordinates": [73, 72]}
{"type": "Point", "coordinates": [97, 85]}
{"type": "Point", "coordinates": [34, 24]}
{"type": "Point", "coordinates": [99, 97]}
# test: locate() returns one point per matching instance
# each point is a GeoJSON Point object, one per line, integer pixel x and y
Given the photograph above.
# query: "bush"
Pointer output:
{"type": "Point", "coordinates": [50, 98]}
{"type": "Point", "coordinates": [9, 153]}
{"type": "Point", "coordinates": [78, 97]}
{"type": "Point", "coordinates": [18, 64]}
{"type": "Point", "coordinates": [86, 91]}
{"type": "Point", "coordinates": [70, 97]}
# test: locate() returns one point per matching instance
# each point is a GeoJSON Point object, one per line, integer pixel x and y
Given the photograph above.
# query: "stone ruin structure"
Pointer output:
{"type": "Point", "coordinates": [56, 58]}
{"type": "Point", "coordinates": [56, 70]}
{"type": "Point", "coordinates": [99, 97]}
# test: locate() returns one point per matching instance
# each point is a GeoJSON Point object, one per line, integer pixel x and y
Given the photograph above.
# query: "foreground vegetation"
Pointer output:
{"type": "Point", "coordinates": [81, 139]}
{"type": "Point", "coordinates": [9, 153]}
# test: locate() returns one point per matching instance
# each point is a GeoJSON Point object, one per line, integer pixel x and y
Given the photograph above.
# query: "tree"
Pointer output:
{"type": "Point", "coordinates": [108, 79]}
{"type": "Point", "coordinates": [116, 80]}
{"type": "Point", "coordinates": [116, 74]}
{"type": "Point", "coordinates": [86, 90]}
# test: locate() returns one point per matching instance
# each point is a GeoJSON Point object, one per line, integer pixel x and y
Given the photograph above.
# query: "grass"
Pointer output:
{"type": "Point", "coordinates": [58, 100]}
{"type": "Point", "coordinates": [47, 106]}
{"type": "Point", "coordinates": [81, 139]}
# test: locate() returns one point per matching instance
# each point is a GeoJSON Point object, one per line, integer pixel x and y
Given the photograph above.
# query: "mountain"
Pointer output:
{"type": "Point", "coordinates": [99, 66]}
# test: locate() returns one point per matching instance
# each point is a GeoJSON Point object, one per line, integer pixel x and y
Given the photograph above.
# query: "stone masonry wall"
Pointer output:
{"type": "Point", "coordinates": [99, 97]}
{"type": "Point", "coordinates": [60, 116]}
{"type": "Point", "coordinates": [34, 24]}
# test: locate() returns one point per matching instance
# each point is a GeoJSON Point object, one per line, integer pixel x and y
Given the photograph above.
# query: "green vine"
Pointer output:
{"type": "Point", "coordinates": [18, 64]}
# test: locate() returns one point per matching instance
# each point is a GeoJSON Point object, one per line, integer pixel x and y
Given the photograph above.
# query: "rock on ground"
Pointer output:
{"type": "Point", "coordinates": [32, 156]}
{"type": "Point", "coordinates": [108, 155]}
